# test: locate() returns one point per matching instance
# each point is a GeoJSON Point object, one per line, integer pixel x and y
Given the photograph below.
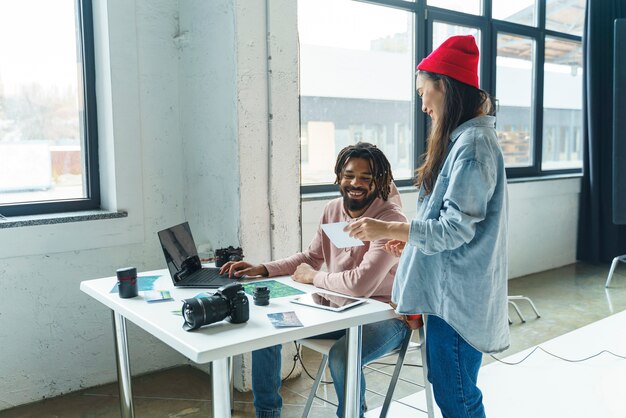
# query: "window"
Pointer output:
{"type": "Point", "coordinates": [356, 74]}
{"type": "Point", "coordinates": [48, 144]}
{"type": "Point", "coordinates": [466, 6]}
{"type": "Point", "coordinates": [562, 105]}
{"type": "Point", "coordinates": [514, 87]}
{"type": "Point", "coordinates": [538, 84]}
{"type": "Point", "coordinates": [566, 16]}
{"type": "Point", "coordinates": [523, 12]}
{"type": "Point", "coordinates": [356, 63]}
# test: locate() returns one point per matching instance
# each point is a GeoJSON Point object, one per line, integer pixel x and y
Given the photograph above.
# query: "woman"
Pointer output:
{"type": "Point", "coordinates": [453, 264]}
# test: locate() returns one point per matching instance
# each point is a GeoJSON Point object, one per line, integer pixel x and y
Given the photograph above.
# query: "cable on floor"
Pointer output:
{"type": "Point", "coordinates": [295, 362]}
{"type": "Point", "coordinates": [298, 348]}
{"type": "Point", "coordinates": [556, 356]}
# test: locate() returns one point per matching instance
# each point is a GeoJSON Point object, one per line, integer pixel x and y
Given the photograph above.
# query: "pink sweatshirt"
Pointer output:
{"type": "Point", "coordinates": [365, 271]}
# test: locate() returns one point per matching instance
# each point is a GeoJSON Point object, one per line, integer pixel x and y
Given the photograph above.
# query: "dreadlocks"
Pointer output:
{"type": "Point", "coordinates": [379, 165]}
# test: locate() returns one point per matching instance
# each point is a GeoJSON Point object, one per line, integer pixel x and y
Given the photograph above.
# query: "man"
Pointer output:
{"type": "Point", "coordinates": [365, 181]}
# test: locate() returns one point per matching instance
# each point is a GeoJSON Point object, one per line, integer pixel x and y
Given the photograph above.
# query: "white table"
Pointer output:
{"type": "Point", "coordinates": [217, 342]}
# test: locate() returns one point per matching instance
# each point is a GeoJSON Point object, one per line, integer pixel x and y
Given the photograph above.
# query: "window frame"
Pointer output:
{"type": "Point", "coordinates": [424, 16]}
{"type": "Point", "coordinates": [85, 46]}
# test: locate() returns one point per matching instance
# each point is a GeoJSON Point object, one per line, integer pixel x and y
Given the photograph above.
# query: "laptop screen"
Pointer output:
{"type": "Point", "coordinates": [178, 245]}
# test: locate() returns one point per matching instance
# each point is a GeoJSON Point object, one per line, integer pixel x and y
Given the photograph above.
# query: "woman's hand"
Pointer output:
{"type": "Point", "coordinates": [395, 247]}
{"type": "Point", "coordinates": [368, 229]}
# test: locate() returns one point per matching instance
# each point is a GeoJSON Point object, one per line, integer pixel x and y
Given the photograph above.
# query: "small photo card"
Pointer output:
{"type": "Point", "coordinates": [339, 237]}
{"type": "Point", "coordinates": [152, 296]}
{"type": "Point", "coordinates": [284, 319]}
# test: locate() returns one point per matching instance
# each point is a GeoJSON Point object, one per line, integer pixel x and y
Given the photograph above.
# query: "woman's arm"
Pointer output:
{"type": "Point", "coordinates": [369, 229]}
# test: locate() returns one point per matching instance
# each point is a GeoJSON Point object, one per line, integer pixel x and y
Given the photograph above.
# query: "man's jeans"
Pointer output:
{"type": "Point", "coordinates": [377, 339]}
{"type": "Point", "coordinates": [453, 371]}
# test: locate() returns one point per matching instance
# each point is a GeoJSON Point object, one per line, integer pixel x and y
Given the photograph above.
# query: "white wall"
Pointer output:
{"type": "Point", "coordinates": [204, 38]}
{"type": "Point", "coordinates": [543, 219]}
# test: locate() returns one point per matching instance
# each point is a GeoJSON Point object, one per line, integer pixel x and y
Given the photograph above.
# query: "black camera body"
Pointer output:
{"type": "Point", "coordinates": [224, 255]}
{"type": "Point", "coordinates": [228, 302]}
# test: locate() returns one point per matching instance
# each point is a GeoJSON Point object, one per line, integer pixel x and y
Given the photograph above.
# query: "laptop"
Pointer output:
{"type": "Point", "coordinates": [183, 262]}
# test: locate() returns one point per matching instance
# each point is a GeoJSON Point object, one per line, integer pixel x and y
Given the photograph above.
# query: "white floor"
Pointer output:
{"type": "Point", "coordinates": [543, 386]}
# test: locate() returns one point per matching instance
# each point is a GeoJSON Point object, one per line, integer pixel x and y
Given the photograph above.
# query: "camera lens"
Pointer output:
{"type": "Point", "coordinates": [127, 282]}
{"type": "Point", "coordinates": [194, 314]}
{"type": "Point", "coordinates": [198, 312]}
{"type": "Point", "coordinates": [188, 315]}
{"type": "Point", "coordinates": [229, 300]}
{"type": "Point", "coordinates": [261, 296]}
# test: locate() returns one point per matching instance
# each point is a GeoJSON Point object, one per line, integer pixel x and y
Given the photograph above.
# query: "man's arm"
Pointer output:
{"type": "Point", "coordinates": [312, 256]}
{"type": "Point", "coordinates": [364, 279]}
{"type": "Point", "coordinates": [236, 269]}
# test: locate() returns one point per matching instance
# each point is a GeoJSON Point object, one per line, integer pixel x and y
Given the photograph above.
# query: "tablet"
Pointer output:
{"type": "Point", "coordinates": [327, 301]}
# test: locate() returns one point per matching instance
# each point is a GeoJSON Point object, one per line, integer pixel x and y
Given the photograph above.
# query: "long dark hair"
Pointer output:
{"type": "Point", "coordinates": [461, 102]}
{"type": "Point", "coordinates": [379, 165]}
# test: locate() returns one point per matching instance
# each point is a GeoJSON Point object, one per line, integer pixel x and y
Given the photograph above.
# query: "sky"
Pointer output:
{"type": "Point", "coordinates": [352, 24]}
{"type": "Point", "coordinates": [37, 42]}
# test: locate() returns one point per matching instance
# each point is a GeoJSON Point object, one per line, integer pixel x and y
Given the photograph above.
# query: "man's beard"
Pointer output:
{"type": "Point", "coordinates": [355, 205]}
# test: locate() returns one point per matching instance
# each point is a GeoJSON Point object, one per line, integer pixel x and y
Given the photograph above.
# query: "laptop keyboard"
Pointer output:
{"type": "Point", "coordinates": [204, 276]}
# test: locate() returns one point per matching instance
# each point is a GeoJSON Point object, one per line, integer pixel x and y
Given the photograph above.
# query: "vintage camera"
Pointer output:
{"type": "Point", "coordinates": [228, 301]}
{"type": "Point", "coordinates": [224, 255]}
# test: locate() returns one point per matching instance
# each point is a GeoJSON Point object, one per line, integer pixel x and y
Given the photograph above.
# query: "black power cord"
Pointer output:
{"type": "Point", "coordinates": [295, 359]}
{"type": "Point", "coordinates": [298, 356]}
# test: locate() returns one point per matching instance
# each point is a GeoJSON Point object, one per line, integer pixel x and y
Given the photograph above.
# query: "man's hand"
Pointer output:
{"type": "Point", "coordinates": [395, 247]}
{"type": "Point", "coordinates": [368, 229]}
{"type": "Point", "coordinates": [240, 268]}
{"type": "Point", "coordinates": [304, 274]}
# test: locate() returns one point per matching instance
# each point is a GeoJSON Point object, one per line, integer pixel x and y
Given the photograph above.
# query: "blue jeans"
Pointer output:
{"type": "Point", "coordinates": [377, 339]}
{"type": "Point", "coordinates": [453, 371]}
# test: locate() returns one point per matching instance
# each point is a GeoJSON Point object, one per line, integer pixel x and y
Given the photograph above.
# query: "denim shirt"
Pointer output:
{"type": "Point", "coordinates": [455, 262]}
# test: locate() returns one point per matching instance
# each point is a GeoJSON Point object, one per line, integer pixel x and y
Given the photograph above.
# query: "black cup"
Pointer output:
{"type": "Point", "coordinates": [127, 282]}
{"type": "Point", "coordinates": [261, 295]}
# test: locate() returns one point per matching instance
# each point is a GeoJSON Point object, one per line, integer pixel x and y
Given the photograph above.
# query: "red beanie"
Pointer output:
{"type": "Point", "coordinates": [457, 58]}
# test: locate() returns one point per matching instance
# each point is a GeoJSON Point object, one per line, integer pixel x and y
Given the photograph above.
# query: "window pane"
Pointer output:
{"type": "Point", "coordinates": [41, 147]}
{"type": "Point", "coordinates": [514, 86]}
{"type": "Point", "coordinates": [562, 105]}
{"type": "Point", "coordinates": [566, 16]}
{"type": "Point", "coordinates": [519, 11]}
{"type": "Point", "coordinates": [356, 84]}
{"type": "Point", "coordinates": [466, 6]}
{"type": "Point", "coordinates": [442, 31]}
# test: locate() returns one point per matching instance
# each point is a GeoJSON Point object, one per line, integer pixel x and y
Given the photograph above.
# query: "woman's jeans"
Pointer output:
{"type": "Point", "coordinates": [453, 371]}
{"type": "Point", "coordinates": [377, 340]}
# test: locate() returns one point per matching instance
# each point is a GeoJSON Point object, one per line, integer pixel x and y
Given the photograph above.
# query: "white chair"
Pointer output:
{"type": "Point", "coordinates": [323, 346]}
{"type": "Point", "coordinates": [512, 300]}
{"type": "Point", "coordinates": [616, 260]}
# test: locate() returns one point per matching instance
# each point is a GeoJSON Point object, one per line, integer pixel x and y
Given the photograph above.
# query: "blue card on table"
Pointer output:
{"type": "Point", "coordinates": [284, 319]}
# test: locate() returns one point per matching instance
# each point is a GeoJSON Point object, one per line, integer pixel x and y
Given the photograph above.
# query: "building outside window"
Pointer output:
{"type": "Point", "coordinates": [356, 83]}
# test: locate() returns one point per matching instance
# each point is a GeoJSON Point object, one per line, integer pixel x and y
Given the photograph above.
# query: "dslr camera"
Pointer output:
{"type": "Point", "coordinates": [224, 255]}
{"type": "Point", "coordinates": [228, 302]}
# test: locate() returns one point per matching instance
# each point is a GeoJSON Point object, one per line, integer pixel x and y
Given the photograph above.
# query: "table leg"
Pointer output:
{"type": "Point", "coordinates": [123, 366]}
{"type": "Point", "coordinates": [352, 390]}
{"type": "Point", "coordinates": [220, 388]}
